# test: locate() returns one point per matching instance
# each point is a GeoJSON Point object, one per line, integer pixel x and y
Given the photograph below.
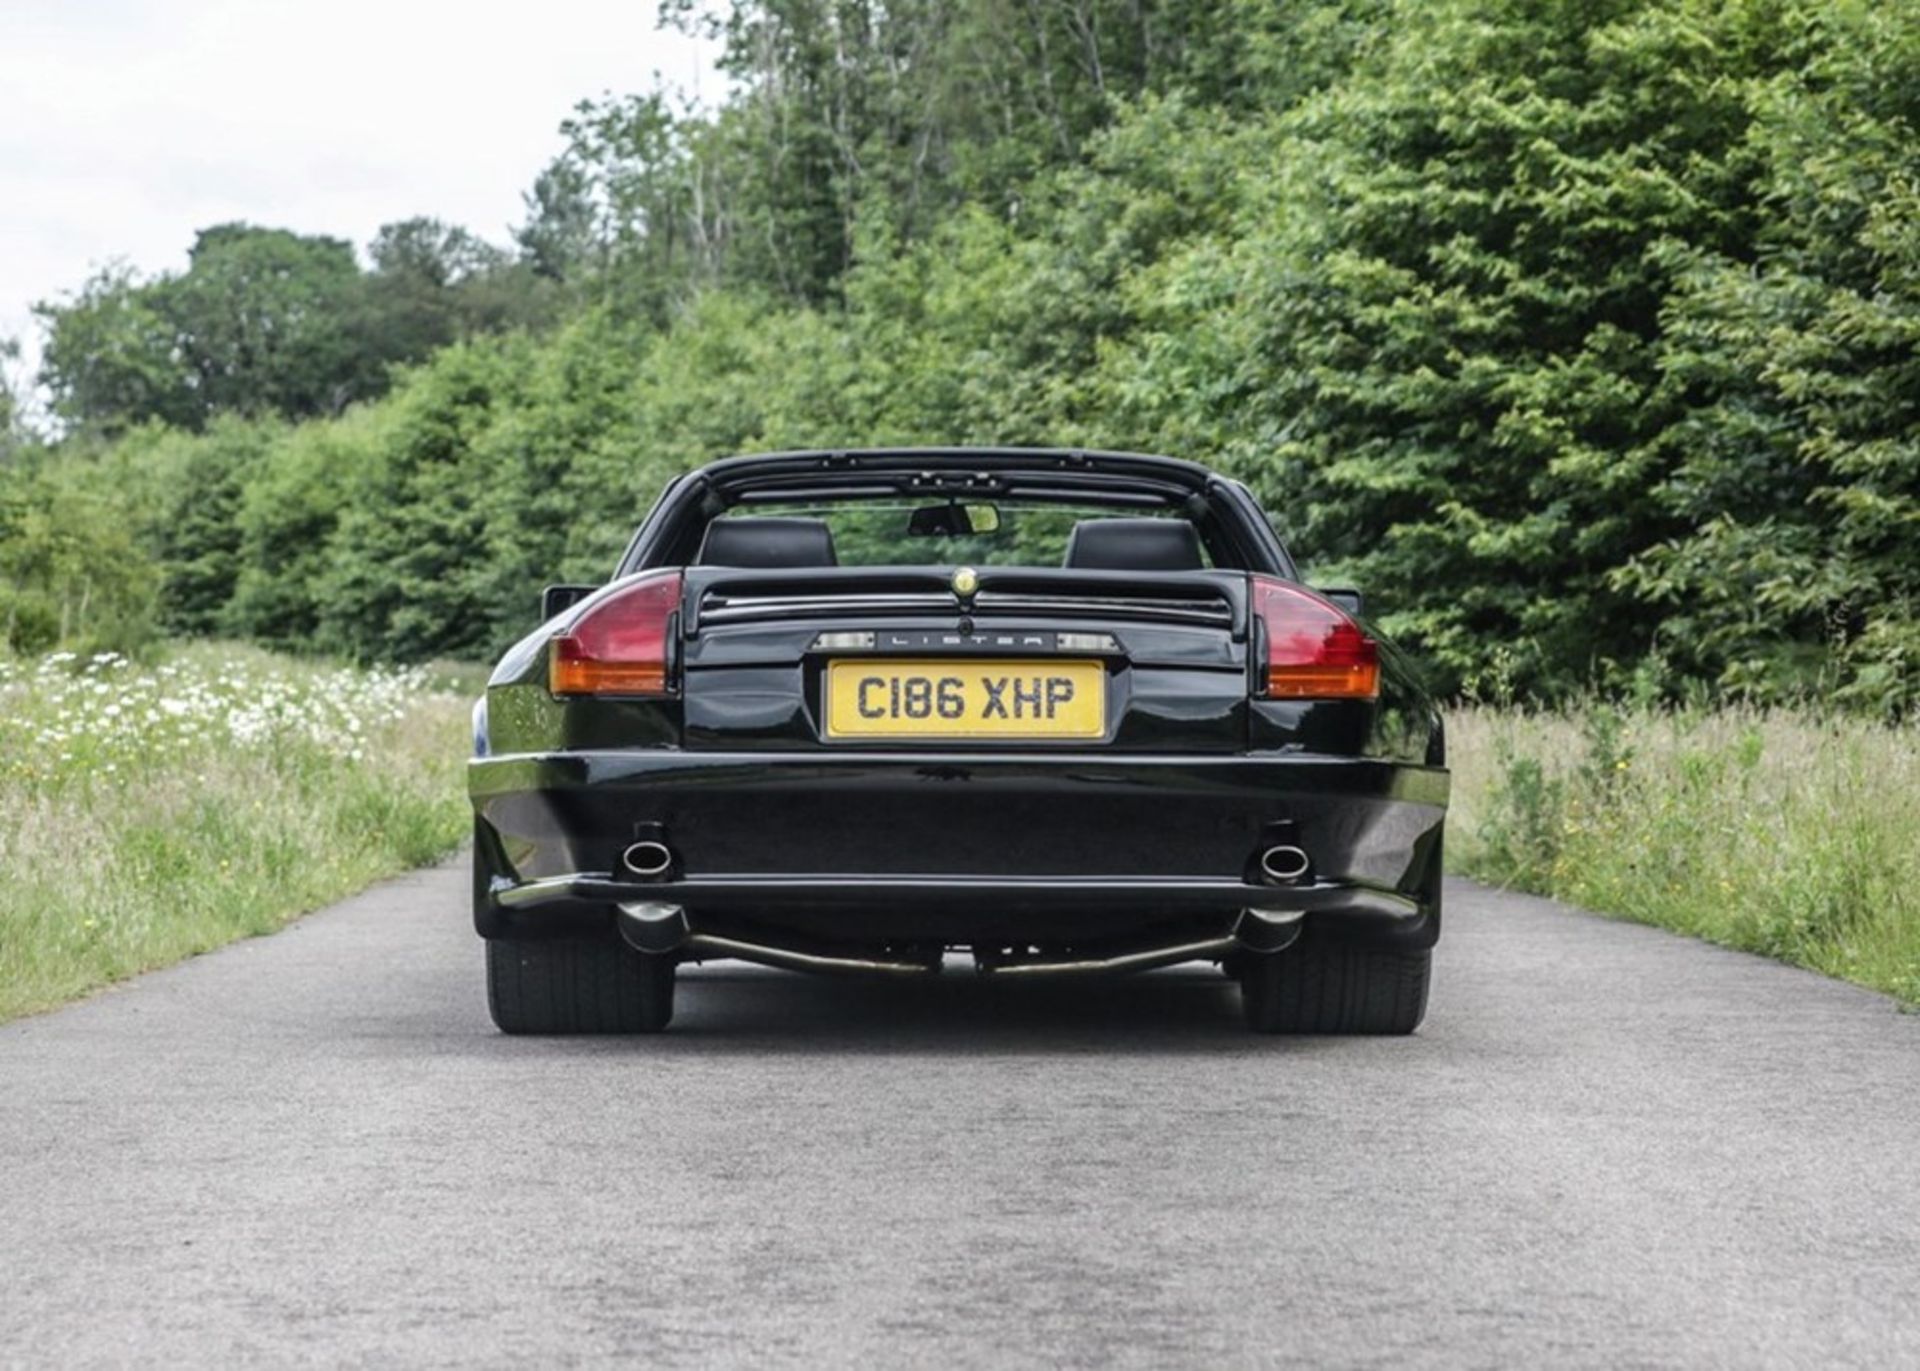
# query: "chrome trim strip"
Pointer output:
{"type": "Point", "coordinates": [720, 609]}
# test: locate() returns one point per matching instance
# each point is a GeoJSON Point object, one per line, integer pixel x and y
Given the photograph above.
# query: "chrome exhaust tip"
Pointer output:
{"type": "Point", "coordinates": [1268, 930]}
{"type": "Point", "coordinates": [648, 859]}
{"type": "Point", "coordinates": [1285, 862]}
{"type": "Point", "coordinates": [649, 927]}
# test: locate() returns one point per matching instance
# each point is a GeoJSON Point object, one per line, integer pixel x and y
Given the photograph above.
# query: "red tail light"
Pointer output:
{"type": "Point", "coordinates": [620, 645]}
{"type": "Point", "coordinates": [1314, 651]}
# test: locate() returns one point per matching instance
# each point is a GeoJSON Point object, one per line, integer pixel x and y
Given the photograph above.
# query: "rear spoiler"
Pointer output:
{"type": "Point", "coordinates": [724, 595]}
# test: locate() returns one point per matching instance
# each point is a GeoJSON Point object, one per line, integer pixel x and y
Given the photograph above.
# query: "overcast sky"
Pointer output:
{"type": "Point", "coordinates": [125, 125]}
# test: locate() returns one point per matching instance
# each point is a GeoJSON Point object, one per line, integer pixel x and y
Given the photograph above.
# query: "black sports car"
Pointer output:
{"type": "Point", "coordinates": [1067, 711]}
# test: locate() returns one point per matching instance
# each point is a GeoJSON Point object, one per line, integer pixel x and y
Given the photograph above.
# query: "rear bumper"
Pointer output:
{"type": "Point", "coordinates": [961, 848]}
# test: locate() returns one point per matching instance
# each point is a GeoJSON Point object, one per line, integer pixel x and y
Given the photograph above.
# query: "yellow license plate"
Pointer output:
{"type": "Point", "coordinates": [893, 698]}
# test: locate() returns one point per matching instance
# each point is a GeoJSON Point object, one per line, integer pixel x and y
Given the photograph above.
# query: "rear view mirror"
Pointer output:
{"type": "Point", "coordinates": [953, 521]}
{"type": "Point", "coordinates": [558, 599]}
{"type": "Point", "coordinates": [1349, 599]}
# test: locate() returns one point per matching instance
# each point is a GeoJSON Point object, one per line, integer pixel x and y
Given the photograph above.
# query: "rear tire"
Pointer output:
{"type": "Point", "coordinates": [577, 986]}
{"type": "Point", "coordinates": [1322, 986]}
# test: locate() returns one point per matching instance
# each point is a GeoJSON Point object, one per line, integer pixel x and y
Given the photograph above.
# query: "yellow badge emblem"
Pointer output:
{"type": "Point", "coordinates": [965, 581]}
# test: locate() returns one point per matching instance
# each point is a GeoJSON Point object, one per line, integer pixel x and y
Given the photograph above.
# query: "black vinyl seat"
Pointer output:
{"type": "Point", "coordinates": [1134, 545]}
{"type": "Point", "coordinates": [766, 543]}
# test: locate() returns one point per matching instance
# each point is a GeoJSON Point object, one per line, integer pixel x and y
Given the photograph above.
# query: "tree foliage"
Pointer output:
{"type": "Point", "coordinates": [73, 569]}
{"type": "Point", "coordinates": [1581, 335]}
{"type": "Point", "coordinates": [266, 321]}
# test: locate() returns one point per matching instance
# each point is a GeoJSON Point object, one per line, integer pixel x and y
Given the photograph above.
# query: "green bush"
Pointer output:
{"type": "Point", "coordinates": [32, 621]}
{"type": "Point", "coordinates": [74, 567]}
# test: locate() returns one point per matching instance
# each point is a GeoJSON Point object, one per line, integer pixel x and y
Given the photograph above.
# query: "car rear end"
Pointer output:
{"type": "Point", "coordinates": [1055, 769]}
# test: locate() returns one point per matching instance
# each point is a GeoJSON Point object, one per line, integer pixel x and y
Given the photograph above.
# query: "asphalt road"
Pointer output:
{"type": "Point", "coordinates": [1607, 1146]}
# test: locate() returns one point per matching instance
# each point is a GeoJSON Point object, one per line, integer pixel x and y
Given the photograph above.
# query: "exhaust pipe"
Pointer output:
{"type": "Point", "coordinates": [648, 859]}
{"type": "Point", "coordinates": [650, 927]}
{"type": "Point", "coordinates": [1143, 959]}
{"type": "Point", "coordinates": [660, 928]}
{"type": "Point", "coordinates": [793, 959]}
{"type": "Point", "coordinates": [1268, 930]}
{"type": "Point", "coordinates": [1285, 862]}
{"type": "Point", "coordinates": [1255, 930]}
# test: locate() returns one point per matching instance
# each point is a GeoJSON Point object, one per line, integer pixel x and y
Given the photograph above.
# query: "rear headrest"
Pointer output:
{"type": "Point", "coordinates": [768, 543]}
{"type": "Point", "coordinates": [1134, 545]}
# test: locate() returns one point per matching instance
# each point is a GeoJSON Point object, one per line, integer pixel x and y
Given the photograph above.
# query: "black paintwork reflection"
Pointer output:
{"type": "Point", "coordinates": [744, 815]}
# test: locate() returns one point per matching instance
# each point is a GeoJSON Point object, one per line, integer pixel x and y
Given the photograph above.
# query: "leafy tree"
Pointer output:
{"type": "Point", "coordinates": [283, 529]}
{"type": "Point", "coordinates": [196, 536]}
{"type": "Point", "coordinates": [1581, 336]}
{"type": "Point", "coordinates": [431, 253]}
{"type": "Point", "coordinates": [266, 321]}
{"type": "Point", "coordinates": [13, 434]}
{"type": "Point", "coordinates": [260, 323]}
{"type": "Point", "coordinates": [560, 238]}
{"type": "Point", "coordinates": [433, 283]}
{"type": "Point", "coordinates": [410, 541]}
{"type": "Point", "coordinates": [111, 356]}
{"type": "Point", "coordinates": [1441, 340]}
{"type": "Point", "coordinates": [1796, 464]}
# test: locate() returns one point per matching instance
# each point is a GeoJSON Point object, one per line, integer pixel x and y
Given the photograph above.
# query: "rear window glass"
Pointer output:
{"type": "Point", "coordinates": [919, 533]}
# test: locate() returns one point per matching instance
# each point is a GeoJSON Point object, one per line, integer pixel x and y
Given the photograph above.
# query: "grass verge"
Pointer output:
{"type": "Point", "coordinates": [151, 813]}
{"type": "Point", "coordinates": [1780, 832]}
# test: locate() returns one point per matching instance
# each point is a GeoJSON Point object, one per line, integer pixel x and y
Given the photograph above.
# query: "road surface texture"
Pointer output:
{"type": "Point", "coordinates": [1608, 1146]}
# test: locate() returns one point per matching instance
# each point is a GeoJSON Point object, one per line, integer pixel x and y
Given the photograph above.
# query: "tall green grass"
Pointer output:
{"type": "Point", "coordinates": [151, 813]}
{"type": "Point", "coordinates": [1776, 831]}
